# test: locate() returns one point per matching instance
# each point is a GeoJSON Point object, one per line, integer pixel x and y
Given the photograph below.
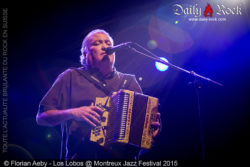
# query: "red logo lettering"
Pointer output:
{"type": "Point", "coordinates": [208, 11]}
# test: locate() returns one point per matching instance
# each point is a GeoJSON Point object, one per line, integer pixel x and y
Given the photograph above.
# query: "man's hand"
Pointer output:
{"type": "Point", "coordinates": [89, 114]}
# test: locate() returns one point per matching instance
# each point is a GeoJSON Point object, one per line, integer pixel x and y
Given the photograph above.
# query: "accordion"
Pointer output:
{"type": "Point", "coordinates": [126, 119]}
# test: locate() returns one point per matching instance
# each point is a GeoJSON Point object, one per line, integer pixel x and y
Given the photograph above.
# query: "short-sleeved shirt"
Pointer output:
{"type": "Point", "coordinates": [72, 89]}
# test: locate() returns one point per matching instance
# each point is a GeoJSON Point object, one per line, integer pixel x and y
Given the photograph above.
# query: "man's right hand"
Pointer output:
{"type": "Point", "coordinates": [89, 114]}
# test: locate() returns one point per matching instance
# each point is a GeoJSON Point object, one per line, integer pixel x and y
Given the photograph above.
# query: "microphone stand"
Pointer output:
{"type": "Point", "coordinates": [196, 85]}
{"type": "Point", "coordinates": [156, 58]}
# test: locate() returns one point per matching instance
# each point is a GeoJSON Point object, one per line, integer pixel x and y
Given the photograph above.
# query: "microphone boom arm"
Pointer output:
{"type": "Point", "coordinates": [156, 58]}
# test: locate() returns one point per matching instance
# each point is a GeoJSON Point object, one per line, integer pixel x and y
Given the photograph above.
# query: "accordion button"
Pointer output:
{"type": "Point", "coordinates": [103, 119]}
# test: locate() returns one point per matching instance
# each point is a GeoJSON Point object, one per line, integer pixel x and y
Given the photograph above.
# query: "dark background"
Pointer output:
{"type": "Point", "coordinates": [45, 39]}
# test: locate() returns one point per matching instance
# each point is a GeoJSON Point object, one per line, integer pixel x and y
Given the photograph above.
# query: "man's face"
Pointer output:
{"type": "Point", "coordinates": [96, 55]}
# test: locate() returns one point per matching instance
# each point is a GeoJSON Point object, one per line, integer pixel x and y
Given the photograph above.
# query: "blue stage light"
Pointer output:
{"type": "Point", "coordinates": [160, 66]}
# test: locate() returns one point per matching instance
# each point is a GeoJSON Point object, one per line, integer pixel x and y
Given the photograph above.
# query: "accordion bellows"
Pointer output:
{"type": "Point", "coordinates": [126, 119]}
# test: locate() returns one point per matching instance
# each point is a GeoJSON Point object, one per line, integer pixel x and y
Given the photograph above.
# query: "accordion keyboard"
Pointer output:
{"type": "Point", "coordinates": [124, 112]}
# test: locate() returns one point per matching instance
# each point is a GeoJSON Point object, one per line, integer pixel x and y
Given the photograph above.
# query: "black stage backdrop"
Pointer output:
{"type": "Point", "coordinates": [44, 39]}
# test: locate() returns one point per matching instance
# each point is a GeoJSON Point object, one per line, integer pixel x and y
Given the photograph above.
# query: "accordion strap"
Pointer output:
{"type": "Point", "coordinates": [99, 84]}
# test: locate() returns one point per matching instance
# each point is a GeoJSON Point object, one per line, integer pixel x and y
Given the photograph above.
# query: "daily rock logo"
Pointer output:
{"type": "Point", "coordinates": [208, 11]}
{"type": "Point", "coordinates": [223, 10]}
{"type": "Point", "coordinates": [195, 11]}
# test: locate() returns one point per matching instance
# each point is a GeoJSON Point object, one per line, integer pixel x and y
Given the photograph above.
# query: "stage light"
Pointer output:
{"type": "Point", "coordinates": [49, 136]}
{"type": "Point", "coordinates": [160, 66]}
{"type": "Point", "coordinates": [152, 44]}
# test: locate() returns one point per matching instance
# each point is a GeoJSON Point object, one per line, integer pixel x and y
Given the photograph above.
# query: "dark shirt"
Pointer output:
{"type": "Point", "coordinates": [70, 90]}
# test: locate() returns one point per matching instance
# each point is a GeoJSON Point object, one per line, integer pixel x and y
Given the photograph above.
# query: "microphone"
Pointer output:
{"type": "Point", "coordinates": [111, 50]}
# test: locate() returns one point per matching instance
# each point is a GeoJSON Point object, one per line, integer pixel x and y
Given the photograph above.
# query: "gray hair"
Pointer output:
{"type": "Point", "coordinates": [85, 41]}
